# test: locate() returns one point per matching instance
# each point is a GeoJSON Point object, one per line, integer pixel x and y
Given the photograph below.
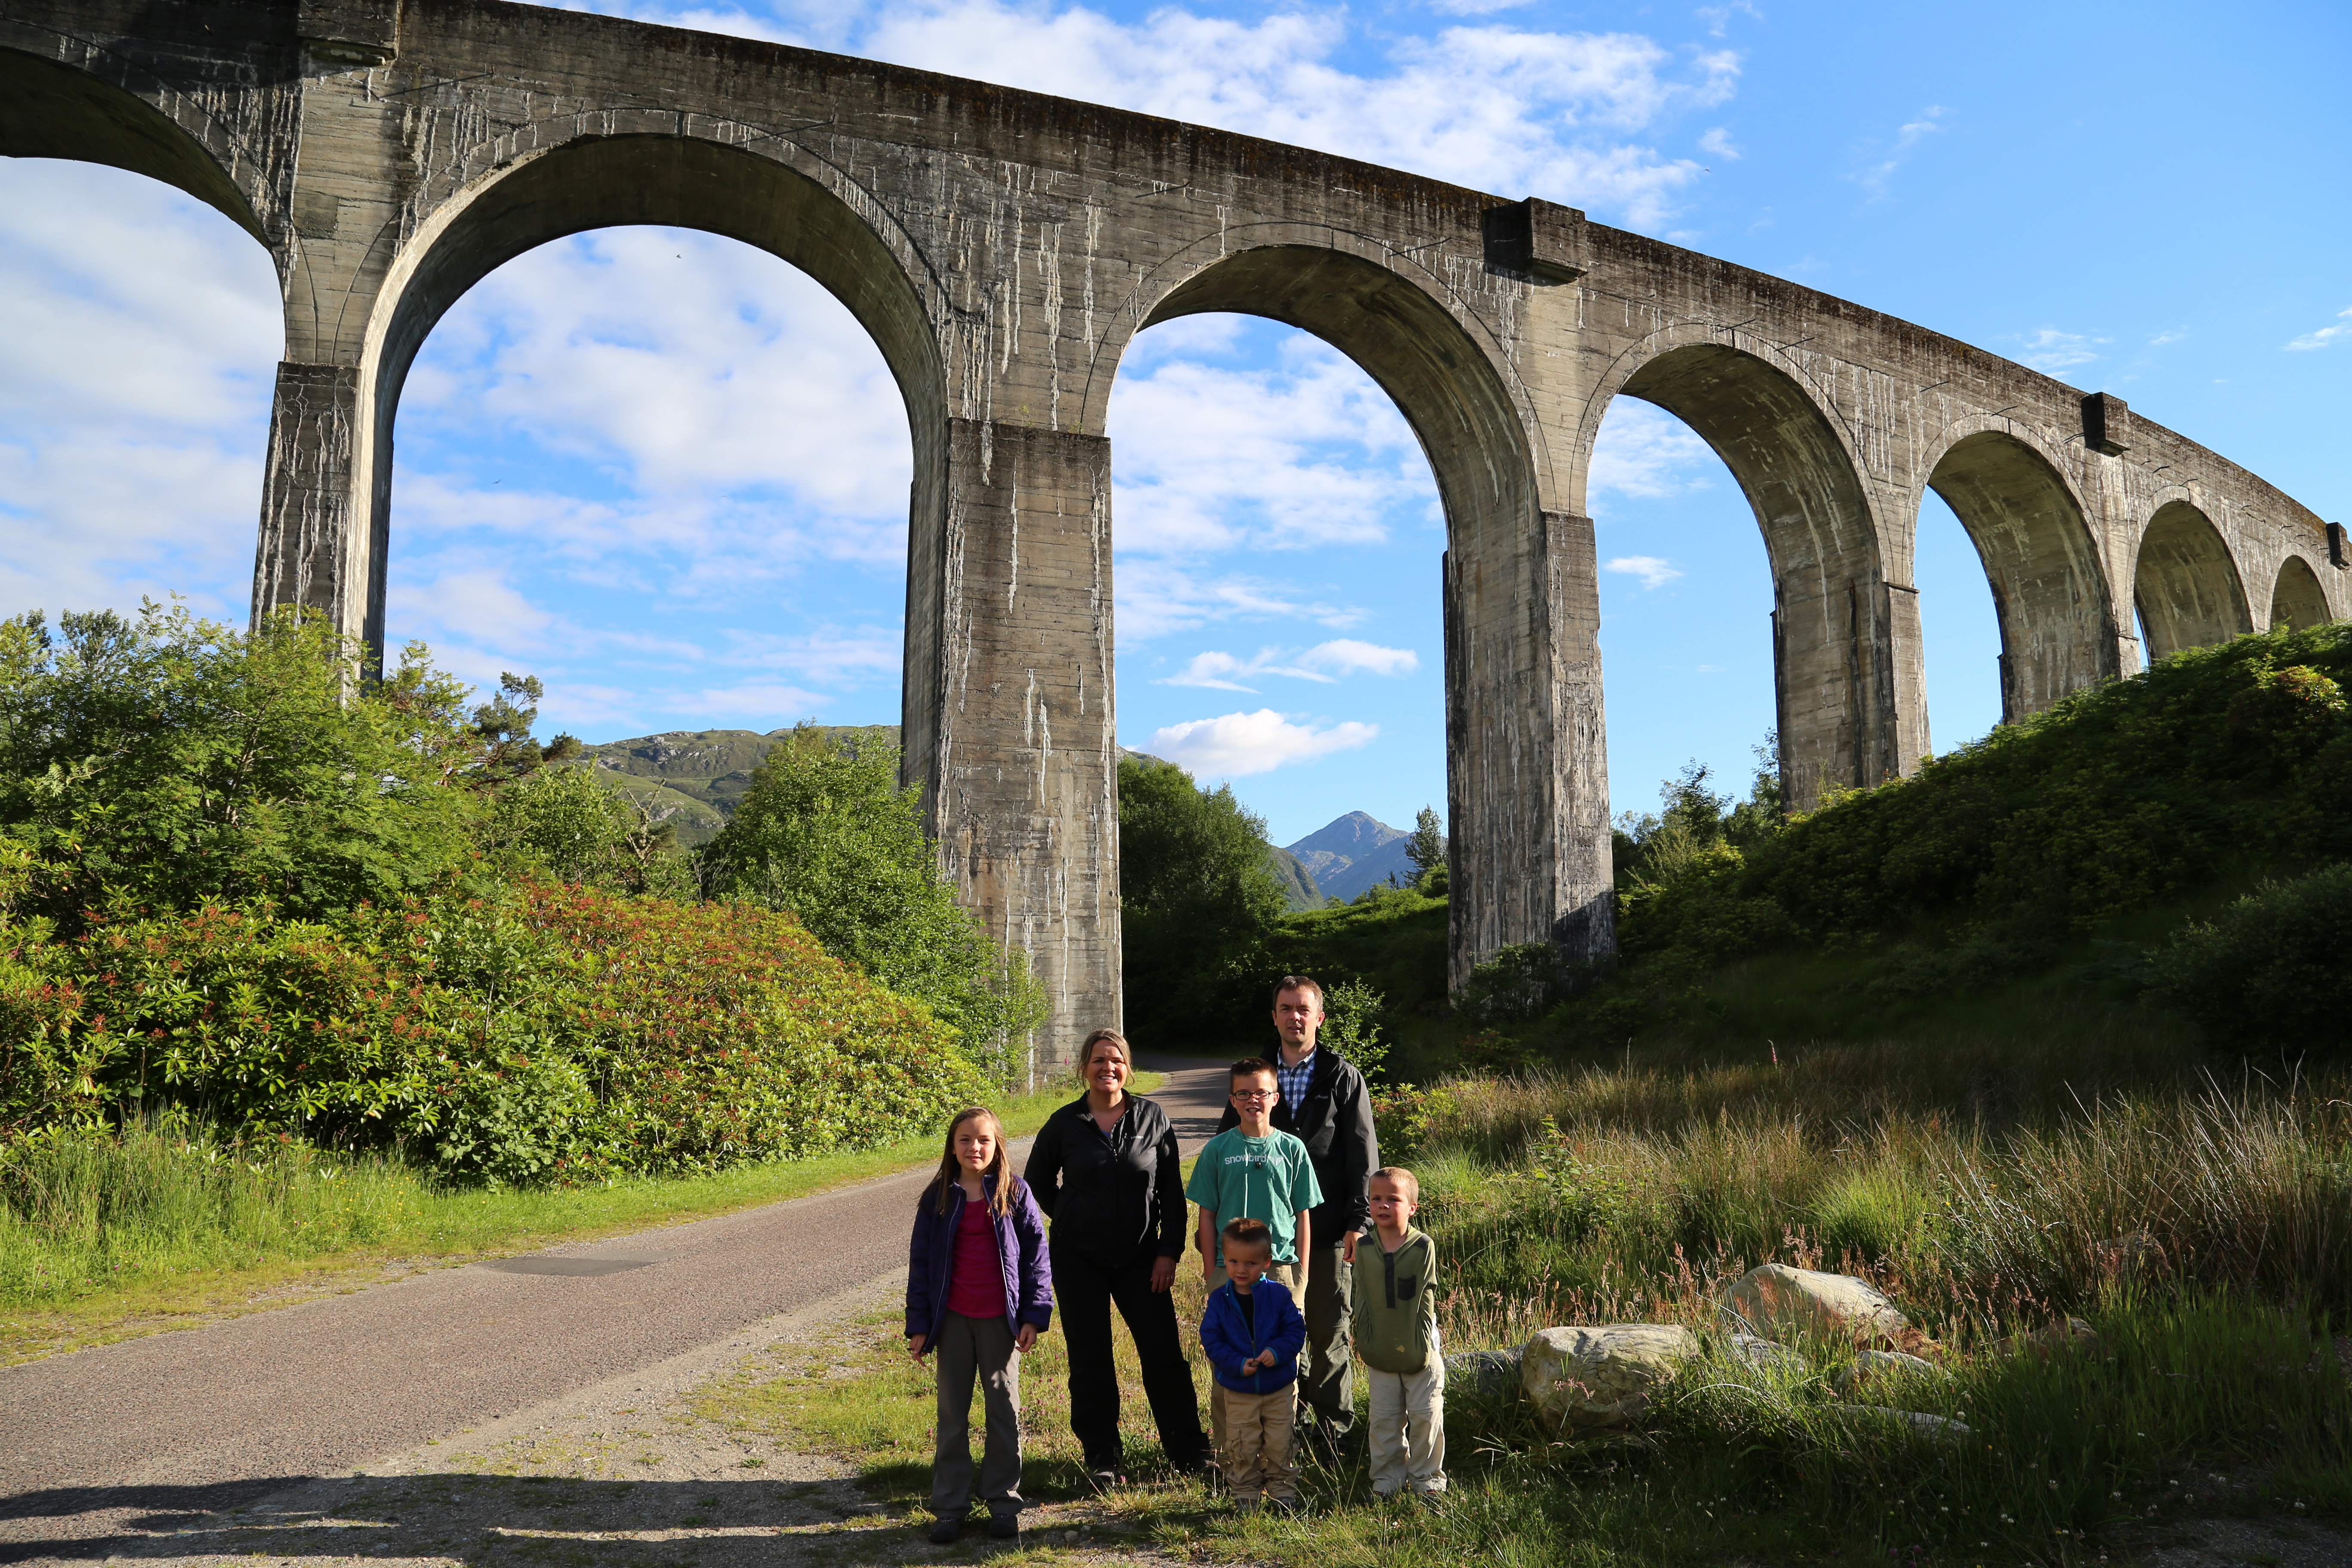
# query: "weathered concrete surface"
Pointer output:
{"type": "Point", "coordinates": [1004, 246]}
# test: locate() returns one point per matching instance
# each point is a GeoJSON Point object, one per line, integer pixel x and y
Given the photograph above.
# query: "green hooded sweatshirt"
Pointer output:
{"type": "Point", "coordinates": [1395, 1316]}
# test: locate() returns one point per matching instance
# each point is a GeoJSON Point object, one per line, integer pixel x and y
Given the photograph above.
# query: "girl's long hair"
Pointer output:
{"type": "Point", "coordinates": [1000, 1202]}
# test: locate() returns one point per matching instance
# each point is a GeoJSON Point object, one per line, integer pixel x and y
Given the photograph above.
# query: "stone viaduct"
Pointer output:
{"type": "Point", "coordinates": [1003, 248]}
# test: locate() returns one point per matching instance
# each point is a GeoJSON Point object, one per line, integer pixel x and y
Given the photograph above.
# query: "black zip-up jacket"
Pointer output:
{"type": "Point", "coordinates": [1110, 1197]}
{"type": "Point", "coordinates": [1335, 1123]}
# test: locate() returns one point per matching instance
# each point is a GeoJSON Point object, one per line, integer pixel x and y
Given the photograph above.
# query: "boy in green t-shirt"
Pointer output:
{"type": "Point", "coordinates": [1253, 1172]}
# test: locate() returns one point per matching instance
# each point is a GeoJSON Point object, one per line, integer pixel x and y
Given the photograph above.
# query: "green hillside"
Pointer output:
{"type": "Point", "coordinates": [690, 778]}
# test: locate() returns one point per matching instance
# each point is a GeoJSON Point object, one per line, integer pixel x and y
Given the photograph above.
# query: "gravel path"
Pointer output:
{"type": "Point", "coordinates": [129, 1435]}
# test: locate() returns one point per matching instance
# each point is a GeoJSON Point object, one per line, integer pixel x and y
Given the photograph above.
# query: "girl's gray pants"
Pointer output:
{"type": "Point", "coordinates": [981, 1348]}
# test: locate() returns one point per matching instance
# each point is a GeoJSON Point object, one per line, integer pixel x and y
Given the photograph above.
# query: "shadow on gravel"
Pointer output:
{"type": "Point", "coordinates": [485, 1519]}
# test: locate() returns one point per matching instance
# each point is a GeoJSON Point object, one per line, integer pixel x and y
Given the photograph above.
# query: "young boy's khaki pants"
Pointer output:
{"type": "Point", "coordinates": [1286, 1275]}
{"type": "Point", "coordinates": [1408, 1421]}
{"type": "Point", "coordinates": [1258, 1437]}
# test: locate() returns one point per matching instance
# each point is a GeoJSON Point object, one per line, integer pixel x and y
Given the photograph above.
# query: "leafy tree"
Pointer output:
{"type": "Point", "coordinates": [1695, 824]}
{"type": "Point", "coordinates": [1426, 848]}
{"type": "Point", "coordinates": [1197, 904]}
{"type": "Point", "coordinates": [1353, 1014]}
{"type": "Point", "coordinates": [171, 761]}
{"type": "Point", "coordinates": [825, 831]}
{"type": "Point", "coordinates": [564, 821]}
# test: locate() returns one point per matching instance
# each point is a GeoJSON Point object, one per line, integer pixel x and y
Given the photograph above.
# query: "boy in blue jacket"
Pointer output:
{"type": "Point", "coordinates": [1253, 1333]}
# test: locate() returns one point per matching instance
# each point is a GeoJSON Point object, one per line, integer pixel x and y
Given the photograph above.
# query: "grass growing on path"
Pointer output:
{"type": "Point", "coordinates": [153, 1230]}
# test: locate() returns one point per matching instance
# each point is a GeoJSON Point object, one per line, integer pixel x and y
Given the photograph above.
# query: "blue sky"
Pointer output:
{"type": "Point", "coordinates": [667, 474]}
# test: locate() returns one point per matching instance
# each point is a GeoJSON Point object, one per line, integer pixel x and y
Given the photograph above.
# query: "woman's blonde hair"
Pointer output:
{"type": "Point", "coordinates": [1000, 1202]}
{"type": "Point", "coordinates": [1086, 1051]}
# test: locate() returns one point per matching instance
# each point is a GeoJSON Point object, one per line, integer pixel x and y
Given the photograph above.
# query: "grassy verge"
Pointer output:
{"type": "Point", "coordinates": [151, 1231]}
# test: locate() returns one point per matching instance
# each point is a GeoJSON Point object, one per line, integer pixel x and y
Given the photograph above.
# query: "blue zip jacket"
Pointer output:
{"type": "Point", "coordinates": [1020, 1246]}
{"type": "Point", "coordinates": [1275, 1326]}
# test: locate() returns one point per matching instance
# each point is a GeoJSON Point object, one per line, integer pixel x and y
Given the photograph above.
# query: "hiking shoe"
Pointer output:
{"type": "Point", "coordinates": [945, 1530]}
{"type": "Point", "coordinates": [1004, 1526]}
{"type": "Point", "coordinates": [1104, 1480]}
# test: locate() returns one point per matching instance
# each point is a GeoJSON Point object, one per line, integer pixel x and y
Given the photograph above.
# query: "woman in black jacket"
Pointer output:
{"type": "Point", "coordinates": [1105, 1168]}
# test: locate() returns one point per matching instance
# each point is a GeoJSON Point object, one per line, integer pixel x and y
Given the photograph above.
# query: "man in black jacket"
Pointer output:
{"type": "Point", "coordinates": [1325, 1105]}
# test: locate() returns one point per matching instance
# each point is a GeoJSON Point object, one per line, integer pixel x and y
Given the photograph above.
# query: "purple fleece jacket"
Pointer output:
{"type": "Point", "coordinates": [1020, 1246]}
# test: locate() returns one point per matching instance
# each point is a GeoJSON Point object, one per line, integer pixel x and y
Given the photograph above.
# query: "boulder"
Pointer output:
{"type": "Point", "coordinates": [1778, 1302]}
{"type": "Point", "coordinates": [1758, 1352]}
{"type": "Point", "coordinates": [1879, 1365]}
{"type": "Point", "coordinates": [1476, 1373]}
{"type": "Point", "coordinates": [1587, 1378]}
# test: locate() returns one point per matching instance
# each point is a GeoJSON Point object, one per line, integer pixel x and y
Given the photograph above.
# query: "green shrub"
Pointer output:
{"type": "Point", "coordinates": [550, 1034]}
{"type": "Point", "coordinates": [172, 762]}
{"type": "Point", "coordinates": [2272, 971]}
{"type": "Point", "coordinates": [1394, 943]}
{"type": "Point", "coordinates": [825, 831]}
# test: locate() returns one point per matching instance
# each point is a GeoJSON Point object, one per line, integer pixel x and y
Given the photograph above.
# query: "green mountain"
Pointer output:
{"type": "Point", "coordinates": [1299, 889]}
{"type": "Point", "coordinates": [691, 778]}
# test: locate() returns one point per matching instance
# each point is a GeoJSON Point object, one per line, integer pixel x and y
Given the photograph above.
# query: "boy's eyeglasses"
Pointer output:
{"type": "Point", "coordinates": [1255, 1093]}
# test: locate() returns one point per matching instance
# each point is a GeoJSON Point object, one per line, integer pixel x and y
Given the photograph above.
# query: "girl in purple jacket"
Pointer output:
{"type": "Point", "coordinates": [978, 1290]}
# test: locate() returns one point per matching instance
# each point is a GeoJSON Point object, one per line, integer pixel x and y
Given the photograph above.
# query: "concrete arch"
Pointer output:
{"type": "Point", "coordinates": [51, 109]}
{"type": "Point", "coordinates": [2049, 588]}
{"type": "Point", "coordinates": [2296, 598]}
{"type": "Point", "coordinates": [1528, 800]}
{"type": "Point", "coordinates": [605, 182]}
{"type": "Point", "coordinates": [1838, 630]}
{"type": "Point", "coordinates": [1442, 380]}
{"type": "Point", "coordinates": [2185, 584]}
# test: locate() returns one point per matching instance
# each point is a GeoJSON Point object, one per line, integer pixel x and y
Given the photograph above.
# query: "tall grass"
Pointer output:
{"type": "Point", "coordinates": [169, 1204]}
{"type": "Point", "coordinates": [1602, 1192]}
{"type": "Point", "coordinates": [83, 1214]}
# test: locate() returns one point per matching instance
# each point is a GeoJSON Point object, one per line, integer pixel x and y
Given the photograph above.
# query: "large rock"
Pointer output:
{"type": "Point", "coordinates": [1876, 1366]}
{"type": "Point", "coordinates": [1779, 1302]}
{"type": "Point", "coordinates": [1602, 1377]}
{"type": "Point", "coordinates": [1763, 1354]}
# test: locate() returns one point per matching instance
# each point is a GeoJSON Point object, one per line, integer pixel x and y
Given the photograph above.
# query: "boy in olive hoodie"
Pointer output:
{"type": "Point", "coordinates": [1395, 1314]}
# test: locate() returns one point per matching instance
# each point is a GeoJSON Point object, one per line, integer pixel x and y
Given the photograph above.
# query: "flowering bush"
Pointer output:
{"type": "Point", "coordinates": [548, 1034]}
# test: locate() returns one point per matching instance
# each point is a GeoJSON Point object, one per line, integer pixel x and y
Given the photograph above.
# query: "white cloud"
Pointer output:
{"type": "Point", "coordinates": [1718, 17]}
{"type": "Point", "coordinates": [2052, 351]}
{"type": "Point", "coordinates": [2325, 335]}
{"type": "Point", "coordinates": [1718, 143]}
{"type": "Point", "coordinates": [1654, 571]}
{"type": "Point", "coordinates": [1305, 457]}
{"type": "Point", "coordinates": [2174, 334]}
{"type": "Point", "coordinates": [1500, 108]}
{"type": "Point", "coordinates": [1345, 656]}
{"type": "Point", "coordinates": [1879, 176]}
{"type": "Point", "coordinates": [140, 333]}
{"type": "Point", "coordinates": [1157, 597]}
{"type": "Point", "coordinates": [696, 365]}
{"type": "Point", "coordinates": [1236, 745]}
{"type": "Point", "coordinates": [1643, 450]}
{"type": "Point", "coordinates": [1324, 663]}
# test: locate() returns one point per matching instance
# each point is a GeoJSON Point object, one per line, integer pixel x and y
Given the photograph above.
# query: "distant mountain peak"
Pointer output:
{"type": "Point", "coordinates": [1350, 853]}
{"type": "Point", "coordinates": [1356, 834]}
